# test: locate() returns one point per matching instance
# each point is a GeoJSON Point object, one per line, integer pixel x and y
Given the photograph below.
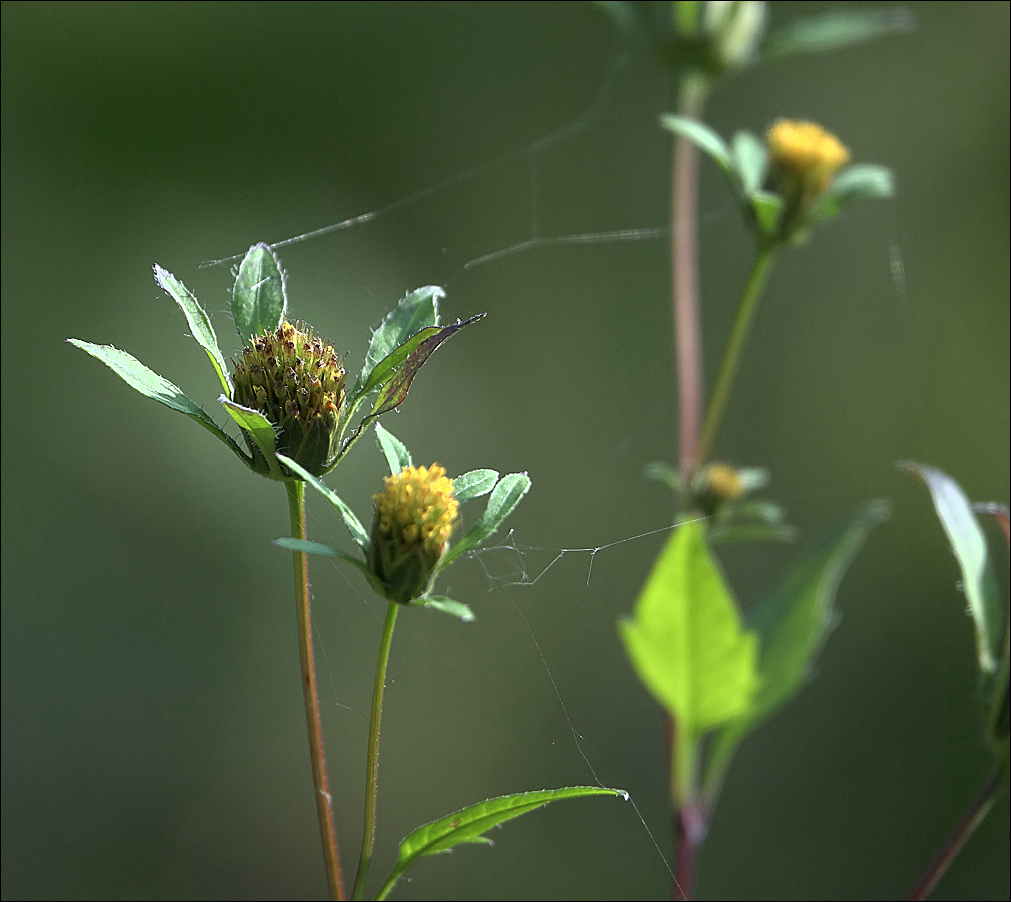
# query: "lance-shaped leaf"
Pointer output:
{"type": "Point", "coordinates": [416, 311]}
{"type": "Point", "coordinates": [149, 383]}
{"type": "Point", "coordinates": [835, 30]}
{"type": "Point", "coordinates": [856, 183]}
{"type": "Point", "coordinates": [504, 497]}
{"type": "Point", "coordinates": [258, 296]}
{"type": "Point", "coordinates": [199, 322]}
{"type": "Point", "coordinates": [353, 524]}
{"type": "Point", "coordinates": [384, 370]}
{"type": "Point", "coordinates": [707, 140]}
{"type": "Point", "coordinates": [686, 640]}
{"type": "Point", "coordinates": [792, 622]}
{"type": "Point", "coordinates": [307, 547]}
{"type": "Point", "coordinates": [469, 824]}
{"type": "Point", "coordinates": [395, 390]}
{"type": "Point", "coordinates": [259, 429]}
{"type": "Point", "coordinates": [447, 606]}
{"type": "Point", "coordinates": [395, 451]}
{"type": "Point", "coordinates": [969, 545]}
{"type": "Point", "coordinates": [474, 484]}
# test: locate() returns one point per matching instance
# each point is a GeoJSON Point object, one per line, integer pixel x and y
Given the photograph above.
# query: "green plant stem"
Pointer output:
{"type": "Point", "coordinates": [324, 802]}
{"type": "Point", "coordinates": [972, 818]}
{"type": "Point", "coordinates": [372, 772]}
{"type": "Point", "coordinates": [732, 356]}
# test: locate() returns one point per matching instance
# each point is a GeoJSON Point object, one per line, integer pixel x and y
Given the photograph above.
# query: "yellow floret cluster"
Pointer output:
{"type": "Point", "coordinates": [807, 151]}
{"type": "Point", "coordinates": [417, 506]}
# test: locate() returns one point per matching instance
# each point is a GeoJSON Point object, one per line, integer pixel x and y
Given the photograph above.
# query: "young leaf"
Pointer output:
{"type": "Point", "coordinates": [393, 393]}
{"type": "Point", "coordinates": [854, 183]}
{"type": "Point", "coordinates": [149, 383]}
{"type": "Point", "coordinates": [259, 429]}
{"type": "Point", "coordinates": [307, 547]}
{"type": "Point", "coordinates": [835, 30]}
{"type": "Point", "coordinates": [258, 296]}
{"type": "Point", "coordinates": [199, 322]}
{"type": "Point", "coordinates": [792, 622]}
{"type": "Point", "coordinates": [707, 140]}
{"type": "Point", "coordinates": [447, 606]}
{"type": "Point", "coordinates": [474, 484]}
{"type": "Point", "coordinates": [353, 524]}
{"type": "Point", "coordinates": [686, 640]}
{"type": "Point", "coordinates": [752, 161]}
{"type": "Point", "coordinates": [504, 497]}
{"type": "Point", "coordinates": [395, 451]}
{"type": "Point", "coordinates": [969, 545]}
{"type": "Point", "coordinates": [468, 825]}
{"type": "Point", "coordinates": [416, 311]}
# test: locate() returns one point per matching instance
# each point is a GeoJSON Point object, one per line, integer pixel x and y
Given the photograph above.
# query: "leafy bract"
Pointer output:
{"type": "Point", "coordinates": [792, 622]}
{"type": "Point", "coordinates": [469, 824]}
{"type": "Point", "coordinates": [702, 135]}
{"type": "Point", "coordinates": [306, 546]}
{"type": "Point", "coordinates": [395, 451]}
{"type": "Point", "coordinates": [418, 310]}
{"type": "Point", "coordinates": [149, 383]}
{"type": "Point", "coordinates": [969, 545]}
{"type": "Point", "coordinates": [508, 492]}
{"type": "Point", "coordinates": [199, 322]}
{"type": "Point", "coordinates": [447, 606]}
{"type": "Point", "coordinates": [259, 429]}
{"type": "Point", "coordinates": [474, 484]}
{"type": "Point", "coordinates": [686, 640]}
{"type": "Point", "coordinates": [258, 296]}
{"type": "Point", "coordinates": [352, 522]}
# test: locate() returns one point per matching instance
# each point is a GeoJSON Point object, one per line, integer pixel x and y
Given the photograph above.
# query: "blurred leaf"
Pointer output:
{"type": "Point", "coordinates": [768, 209]}
{"type": "Point", "coordinates": [665, 473]}
{"type": "Point", "coordinates": [836, 30]}
{"type": "Point", "coordinates": [686, 640]}
{"type": "Point", "coordinates": [149, 383]}
{"type": "Point", "coordinates": [394, 392]}
{"type": "Point", "coordinates": [199, 322]}
{"type": "Point", "coordinates": [707, 140]}
{"type": "Point", "coordinates": [447, 606]}
{"type": "Point", "coordinates": [353, 524]}
{"type": "Point", "coordinates": [752, 532]}
{"type": "Point", "coordinates": [474, 484]}
{"type": "Point", "coordinates": [416, 311]}
{"type": "Point", "coordinates": [258, 296]}
{"type": "Point", "coordinates": [468, 825]}
{"type": "Point", "coordinates": [752, 161]}
{"type": "Point", "coordinates": [969, 545]}
{"type": "Point", "coordinates": [504, 497]}
{"type": "Point", "coordinates": [395, 451]}
{"type": "Point", "coordinates": [855, 183]}
{"type": "Point", "coordinates": [259, 429]}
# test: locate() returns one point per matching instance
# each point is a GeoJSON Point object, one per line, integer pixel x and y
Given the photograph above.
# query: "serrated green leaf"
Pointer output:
{"type": "Point", "coordinates": [835, 30]}
{"type": "Point", "coordinates": [468, 825]}
{"type": "Point", "coordinates": [969, 545]}
{"type": "Point", "coordinates": [508, 492]}
{"type": "Point", "coordinates": [258, 296]}
{"type": "Point", "coordinates": [149, 383]}
{"type": "Point", "coordinates": [474, 484]}
{"type": "Point", "coordinates": [447, 606]}
{"type": "Point", "coordinates": [418, 310]}
{"type": "Point", "coordinates": [394, 391]}
{"type": "Point", "coordinates": [707, 140]}
{"type": "Point", "coordinates": [686, 640]}
{"type": "Point", "coordinates": [259, 429]}
{"type": "Point", "coordinates": [752, 161]}
{"type": "Point", "coordinates": [353, 524]}
{"type": "Point", "coordinates": [395, 451]}
{"type": "Point", "coordinates": [199, 322]}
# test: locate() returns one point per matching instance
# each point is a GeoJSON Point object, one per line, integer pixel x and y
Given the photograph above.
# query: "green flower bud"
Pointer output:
{"type": "Point", "coordinates": [416, 514]}
{"type": "Point", "coordinates": [296, 380]}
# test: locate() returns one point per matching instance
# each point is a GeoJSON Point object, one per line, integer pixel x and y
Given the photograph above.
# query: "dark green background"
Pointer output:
{"type": "Point", "coordinates": [153, 733]}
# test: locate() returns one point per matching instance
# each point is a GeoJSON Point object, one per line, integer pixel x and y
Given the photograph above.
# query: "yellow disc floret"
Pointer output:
{"type": "Point", "coordinates": [807, 151]}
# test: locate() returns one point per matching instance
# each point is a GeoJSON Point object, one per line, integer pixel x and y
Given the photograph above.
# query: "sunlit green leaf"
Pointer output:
{"type": "Point", "coordinates": [395, 451]}
{"type": "Point", "coordinates": [259, 429]}
{"type": "Point", "coordinates": [149, 383]}
{"type": "Point", "coordinates": [504, 497]}
{"type": "Point", "coordinates": [447, 606]}
{"type": "Point", "coordinates": [474, 484]}
{"type": "Point", "coordinates": [387, 367]}
{"type": "Point", "coordinates": [353, 524]}
{"type": "Point", "coordinates": [258, 296]}
{"type": "Point", "coordinates": [199, 322]}
{"type": "Point", "coordinates": [416, 311]}
{"type": "Point", "coordinates": [686, 640]}
{"type": "Point", "coordinates": [308, 547]}
{"type": "Point", "coordinates": [969, 545]}
{"type": "Point", "coordinates": [468, 825]}
{"type": "Point", "coordinates": [835, 30]}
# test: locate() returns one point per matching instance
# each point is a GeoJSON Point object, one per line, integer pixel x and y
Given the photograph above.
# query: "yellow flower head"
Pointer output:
{"type": "Point", "coordinates": [416, 513]}
{"type": "Point", "coordinates": [806, 152]}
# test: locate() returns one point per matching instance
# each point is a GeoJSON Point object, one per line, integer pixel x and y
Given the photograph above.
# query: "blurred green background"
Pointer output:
{"type": "Point", "coordinates": [153, 734]}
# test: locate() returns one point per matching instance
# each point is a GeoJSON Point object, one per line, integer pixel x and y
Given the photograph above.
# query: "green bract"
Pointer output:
{"type": "Point", "coordinates": [288, 393]}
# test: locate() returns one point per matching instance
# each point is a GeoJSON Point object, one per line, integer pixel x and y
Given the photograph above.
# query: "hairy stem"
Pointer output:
{"type": "Point", "coordinates": [324, 802]}
{"type": "Point", "coordinates": [372, 772]}
{"type": "Point", "coordinates": [972, 818]}
{"type": "Point", "coordinates": [732, 356]}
